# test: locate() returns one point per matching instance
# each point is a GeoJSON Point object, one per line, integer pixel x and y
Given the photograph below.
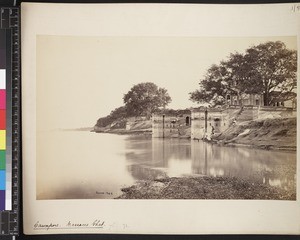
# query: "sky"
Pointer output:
{"type": "Point", "coordinates": [80, 79]}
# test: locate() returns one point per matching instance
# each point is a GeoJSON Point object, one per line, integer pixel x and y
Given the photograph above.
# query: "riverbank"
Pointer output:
{"type": "Point", "coordinates": [275, 134]}
{"type": "Point", "coordinates": [204, 187]}
{"type": "Point", "coordinates": [270, 134]}
{"type": "Point", "coordinates": [119, 127]}
{"type": "Point", "coordinates": [125, 132]}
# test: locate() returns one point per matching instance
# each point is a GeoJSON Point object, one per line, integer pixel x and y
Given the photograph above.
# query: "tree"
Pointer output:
{"type": "Point", "coordinates": [221, 80]}
{"type": "Point", "coordinates": [212, 88]}
{"type": "Point", "coordinates": [117, 114]}
{"type": "Point", "coordinates": [274, 71]}
{"type": "Point", "coordinates": [268, 69]}
{"type": "Point", "coordinates": [144, 98]}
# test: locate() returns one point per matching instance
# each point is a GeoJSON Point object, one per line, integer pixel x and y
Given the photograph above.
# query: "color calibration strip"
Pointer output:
{"type": "Point", "coordinates": [3, 162]}
{"type": "Point", "coordinates": [9, 120]}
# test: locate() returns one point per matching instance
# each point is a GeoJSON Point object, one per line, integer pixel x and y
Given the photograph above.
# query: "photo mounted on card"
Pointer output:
{"type": "Point", "coordinates": [136, 115]}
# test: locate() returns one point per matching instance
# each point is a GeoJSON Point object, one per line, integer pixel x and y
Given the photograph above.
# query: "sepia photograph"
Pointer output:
{"type": "Point", "coordinates": [160, 118]}
{"type": "Point", "coordinates": [138, 117]}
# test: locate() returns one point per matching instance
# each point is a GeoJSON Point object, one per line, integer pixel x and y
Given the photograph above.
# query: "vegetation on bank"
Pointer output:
{"type": "Point", "coordinates": [113, 124]}
{"type": "Point", "coordinates": [268, 69]}
{"type": "Point", "coordinates": [275, 133]}
{"type": "Point", "coordinates": [204, 187]}
{"type": "Point", "coordinates": [142, 100]}
{"type": "Point", "coordinates": [117, 118]}
{"type": "Point", "coordinates": [140, 127]}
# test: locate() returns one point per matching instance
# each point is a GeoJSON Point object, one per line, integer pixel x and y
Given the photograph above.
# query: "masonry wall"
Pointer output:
{"type": "Point", "coordinates": [260, 112]}
{"type": "Point", "coordinates": [170, 126]}
{"type": "Point", "coordinates": [248, 113]}
{"type": "Point", "coordinates": [275, 112]}
{"type": "Point", "coordinates": [217, 120]}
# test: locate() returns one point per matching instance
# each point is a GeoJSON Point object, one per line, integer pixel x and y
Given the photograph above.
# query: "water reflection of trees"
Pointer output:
{"type": "Point", "coordinates": [269, 167]}
{"type": "Point", "coordinates": [147, 157]}
{"type": "Point", "coordinates": [142, 172]}
{"type": "Point", "coordinates": [157, 152]}
{"type": "Point", "coordinates": [165, 149]}
{"type": "Point", "coordinates": [138, 149]}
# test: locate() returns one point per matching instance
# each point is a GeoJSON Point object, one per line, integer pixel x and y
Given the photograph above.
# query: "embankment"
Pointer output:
{"type": "Point", "coordinates": [278, 133]}
{"type": "Point", "coordinates": [119, 127]}
{"type": "Point", "coordinates": [272, 133]}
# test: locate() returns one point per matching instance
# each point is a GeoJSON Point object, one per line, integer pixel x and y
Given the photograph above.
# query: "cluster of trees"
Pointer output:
{"type": "Point", "coordinates": [269, 69]}
{"type": "Point", "coordinates": [117, 114]}
{"type": "Point", "coordinates": [141, 100]}
{"type": "Point", "coordinates": [145, 98]}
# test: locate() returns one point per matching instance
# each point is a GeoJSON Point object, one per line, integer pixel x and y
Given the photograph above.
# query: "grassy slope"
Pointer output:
{"type": "Point", "coordinates": [277, 133]}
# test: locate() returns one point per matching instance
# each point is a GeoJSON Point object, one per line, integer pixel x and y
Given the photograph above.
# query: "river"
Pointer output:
{"type": "Point", "coordinates": [86, 165]}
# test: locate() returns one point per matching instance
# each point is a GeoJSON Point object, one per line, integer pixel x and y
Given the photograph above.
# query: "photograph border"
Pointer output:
{"type": "Point", "coordinates": [29, 124]}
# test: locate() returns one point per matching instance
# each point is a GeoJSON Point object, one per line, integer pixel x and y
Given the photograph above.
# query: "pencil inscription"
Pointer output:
{"type": "Point", "coordinates": [295, 8]}
{"type": "Point", "coordinates": [69, 225]}
{"type": "Point", "coordinates": [45, 226]}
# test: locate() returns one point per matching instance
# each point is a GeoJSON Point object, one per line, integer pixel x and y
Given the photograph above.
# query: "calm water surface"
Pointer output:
{"type": "Point", "coordinates": [77, 164]}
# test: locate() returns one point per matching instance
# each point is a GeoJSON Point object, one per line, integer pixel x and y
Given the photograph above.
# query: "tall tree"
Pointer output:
{"type": "Point", "coordinates": [144, 98]}
{"type": "Point", "coordinates": [220, 80]}
{"type": "Point", "coordinates": [273, 71]}
{"type": "Point", "coordinates": [268, 69]}
{"type": "Point", "coordinates": [213, 88]}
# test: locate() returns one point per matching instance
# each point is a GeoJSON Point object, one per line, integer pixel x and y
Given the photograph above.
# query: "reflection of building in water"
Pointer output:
{"type": "Point", "coordinates": [138, 149]}
{"type": "Point", "coordinates": [254, 165]}
{"type": "Point", "coordinates": [148, 157]}
{"type": "Point", "coordinates": [155, 157]}
{"type": "Point", "coordinates": [165, 149]}
{"type": "Point", "coordinates": [218, 161]}
{"type": "Point", "coordinates": [160, 153]}
{"type": "Point", "coordinates": [199, 157]}
{"type": "Point", "coordinates": [287, 181]}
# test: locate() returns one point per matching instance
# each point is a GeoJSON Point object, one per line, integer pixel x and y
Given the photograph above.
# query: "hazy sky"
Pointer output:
{"type": "Point", "coordinates": [80, 79]}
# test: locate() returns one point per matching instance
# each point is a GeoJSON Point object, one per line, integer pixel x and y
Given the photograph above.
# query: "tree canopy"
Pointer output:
{"type": "Point", "coordinates": [269, 69]}
{"type": "Point", "coordinates": [144, 98]}
{"type": "Point", "coordinates": [117, 114]}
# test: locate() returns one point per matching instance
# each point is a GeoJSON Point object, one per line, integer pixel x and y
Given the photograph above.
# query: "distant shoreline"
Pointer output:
{"type": "Point", "coordinates": [85, 129]}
